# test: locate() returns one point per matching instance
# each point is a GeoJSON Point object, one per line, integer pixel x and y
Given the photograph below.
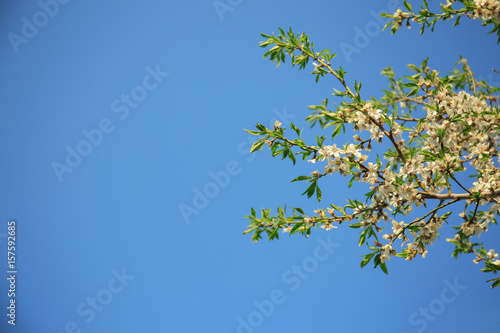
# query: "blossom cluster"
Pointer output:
{"type": "Point", "coordinates": [458, 130]}
{"type": "Point", "coordinates": [490, 255]}
{"type": "Point", "coordinates": [487, 9]}
{"type": "Point", "coordinates": [463, 128]}
{"type": "Point", "coordinates": [438, 131]}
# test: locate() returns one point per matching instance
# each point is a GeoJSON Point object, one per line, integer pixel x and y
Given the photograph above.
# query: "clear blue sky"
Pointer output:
{"type": "Point", "coordinates": [153, 96]}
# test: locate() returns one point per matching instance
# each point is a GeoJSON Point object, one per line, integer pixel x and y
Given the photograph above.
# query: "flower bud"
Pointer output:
{"type": "Point", "coordinates": [277, 125]}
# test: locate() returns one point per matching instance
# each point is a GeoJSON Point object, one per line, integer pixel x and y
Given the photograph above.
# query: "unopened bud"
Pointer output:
{"type": "Point", "coordinates": [320, 213]}
{"type": "Point", "coordinates": [331, 211]}
{"type": "Point", "coordinates": [277, 125]}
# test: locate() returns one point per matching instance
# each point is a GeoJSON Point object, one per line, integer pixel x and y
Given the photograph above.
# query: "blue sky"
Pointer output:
{"type": "Point", "coordinates": [153, 97]}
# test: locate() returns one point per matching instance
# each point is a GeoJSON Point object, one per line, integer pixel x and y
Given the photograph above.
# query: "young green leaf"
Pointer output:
{"type": "Point", "coordinates": [367, 259]}
{"type": "Point", "coordinates": [383, 267]}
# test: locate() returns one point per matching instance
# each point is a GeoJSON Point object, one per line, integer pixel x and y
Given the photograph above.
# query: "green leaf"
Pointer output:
{"type": "Point", "coordinates": [261, 127]}
{"type": "Point", "coordinates": [424, 62]}
{"type": "Point", "coordinates": [407, 6]}
{"type": "Point", "coordinates": [252, 132]}
{"type": "Point", "coordinates": [337, 130]}
{"type": "Point", "coordinates": [293, 127]}
{"type": "Point", "coordinates": [362, 237]}
{"type": "Point", "coordinates": [274, 148]}
{"type": "Point", "coordinates": [301, 178]}
{"type": "Point", "coordinates": [370, 194]}
{"type": "Point", "coordinates": [372, 233]}
{"type": "Point", "coordinates": [256, 236]}
{"type": "Point", "coordinates": [496, 282]}
{"type": "Point", "coordinates": [377, 260]}
{"type": "Point", "coordinates": [310, 189]}
{"type": "Point", "coordinates": [320, 140]}
{"type": "Point", "coordinates": [318, 194]}
{"type": "Point", "coordinates": [291, 156]}
{"type": "Point", "coordinates": [251, 227]}
{"type": "Point", "coordinates": [367, 259]}
{"type": "Point", "coordinates": [299, 210]}
{"type": "Point", "coordinates": [285, 152]}
{"type": "Point", "coordinates": [296, 227]}
{"type": "Point", "coordinates": [413, 78]}
{"type": "Point", "coordinates": [413, 92]}
{"type": "Point", "coordinates": [257, 145]}
{"type": "Point", "coordinates": [352, 181]}
{"type": "Point", "coordinates": [383, 267]}
{"type": "Point", "coordinates": [274, 234]}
